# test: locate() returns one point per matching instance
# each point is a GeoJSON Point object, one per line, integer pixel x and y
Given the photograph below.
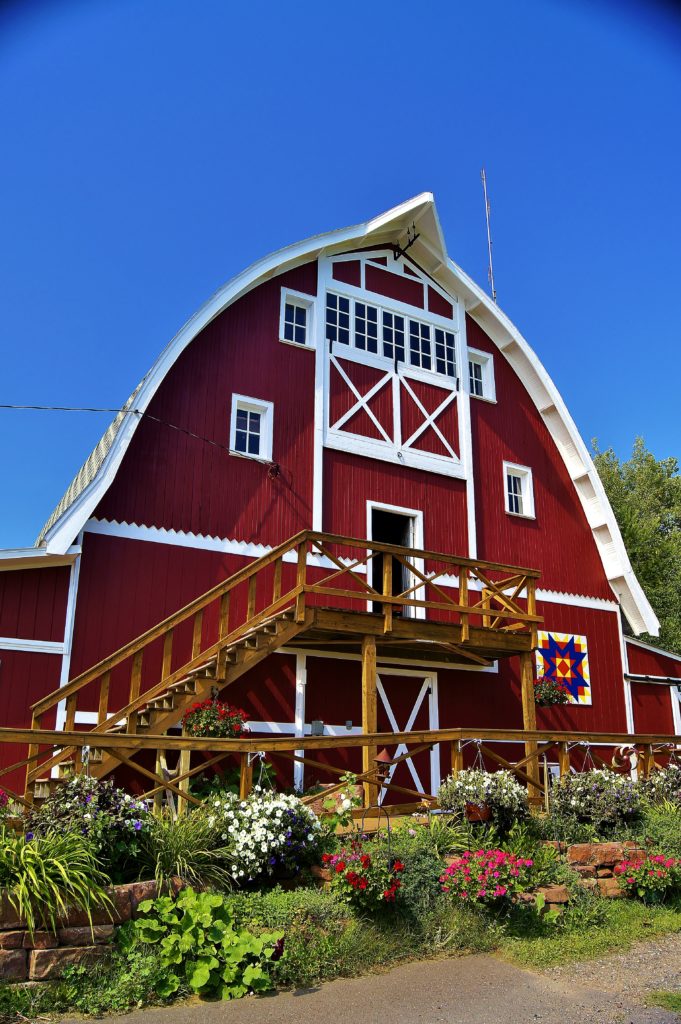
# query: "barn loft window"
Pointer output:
{"type": "Point", "coordinates": [518, 490]}
{"type": "Point", "coordinates": [295, 319]}
{"type": "Point", "coordinates": [481, 375]}
{"type": "Point", "coordinates": [251, 428]}
{"type": "Point", "coordinates": [390, 335]}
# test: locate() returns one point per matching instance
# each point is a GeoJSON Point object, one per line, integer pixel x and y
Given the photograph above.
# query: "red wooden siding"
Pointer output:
{"type": "Point", "coordinates": [33, 603]}
{"type": "Point", "coordinates": [558, 541]}
{"type": "Point", "coordinates": [350, 481]}
{"type": "Point", "coordinates": [652, 663]}
{"type": "Point", "coordinates": [348, 271]}
{"type": "Point", "coordinates": [437, 304]}
{"type": "Point", "coordinates": [394, 286]}
{"type": "Point", "coordinates": [652, 707]}
{"type": "Point", "coordinates": [170, 479]}
{"type": "Point", "coordinates": [25, 677]}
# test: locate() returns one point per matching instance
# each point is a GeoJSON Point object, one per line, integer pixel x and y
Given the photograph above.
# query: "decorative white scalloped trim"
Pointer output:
{"type": "Point", "coordinates": [161, 535]}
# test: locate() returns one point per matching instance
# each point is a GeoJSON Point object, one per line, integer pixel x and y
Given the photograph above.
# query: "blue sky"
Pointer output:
{"type": "Point", "coordinates": [154, 148]}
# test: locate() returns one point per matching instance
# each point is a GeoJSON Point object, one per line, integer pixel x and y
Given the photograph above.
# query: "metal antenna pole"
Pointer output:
{"type": "Point", "coordinates": [490, 269]}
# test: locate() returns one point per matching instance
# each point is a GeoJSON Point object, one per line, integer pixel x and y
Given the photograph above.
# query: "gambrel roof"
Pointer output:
{"type": "Point", "coordinates": [430, 252]}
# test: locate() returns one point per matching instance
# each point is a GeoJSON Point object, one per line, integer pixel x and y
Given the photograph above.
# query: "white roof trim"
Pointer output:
{"type": "Point", "coordinates": [35, 558]}
{"type": "Point", "coordinates": [430, 252]}
{"type": "Point", "coordinates": [655, 650]}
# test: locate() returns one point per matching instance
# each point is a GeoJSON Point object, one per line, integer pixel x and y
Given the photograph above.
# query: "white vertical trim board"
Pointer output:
{"type": "Point", "coordinates": [69, 626]}
{"type": "Point", "coordinates": [299, 724]}
{"type": "Point", "coordinates": [16, 643]}
{"type": "Point", "coordinates": [628, 703]}
{"type": "Point", "coordinates": [466, 432]}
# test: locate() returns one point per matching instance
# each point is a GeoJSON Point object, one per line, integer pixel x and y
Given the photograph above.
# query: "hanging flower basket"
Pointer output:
{"type": "Point", "coordinates": [478, 812]}
{"type": "Point", "coordinates": [549, 692]}
{"type": "Point", "coordinates": [214, 718]}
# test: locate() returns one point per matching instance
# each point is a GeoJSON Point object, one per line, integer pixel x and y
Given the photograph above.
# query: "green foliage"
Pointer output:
{"type": "Point", "coordinates": [523, 841]}
{"type": "Point", "coordinates": [44, 875]}
{"type": "Point", "coordinates": [200, 949]}
{"type": "Point", "coordinates": [645, 494]}
{"type": "Point", "coordinates": [337, 807]}
{"type": "Point", "coordinates": [286, 908]}
{"type": "Point", "coordinates": [112, 820]}
{"type": "Point", "coordinates": [663, 785]}
{"type": "Point", "coordinates": [661, 828]}
{"type": "Point", "coordinates": [505, 796]}
{"type": "Point", "coordinates": [190, 847]}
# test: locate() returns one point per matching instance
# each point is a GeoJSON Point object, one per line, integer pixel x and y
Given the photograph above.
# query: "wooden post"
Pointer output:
{"type": "Point", "coordinates": [245, 777]}
{"type": "Point", "coordinates": [647, 760]}
{"type": "Point", "coordinates": [135, 682]}
{"type": "Point", "coordinates": [457, 757]}
{"type": "Point", "coordinates": [532, 610]}
{"type": "Point", "coordinates": [196, 633]}
{"type": "Point", "coordinates": [563, 759]}
{"type": "Point", "coordinates": [276, 583]}
{"type": "Point", "coordinates": [369, 712]}
{"type": "Point", "coordinates": [103, 709]}
{"type": "Point", "coordinates": [183, 766]}
{"type": "Point", "coordinates": [387, 592]}
{"type": "Point", "coordinates": [463, 601]}
{"type": "Point", "coordinates": [486, 605]}
{"type": "Point", "coordinates": [301, 573]}
{"type": "Point", "coordinates": [529, 722]}
{"type": "Point", "coordinates": [252, 592]}
{"type": "Point", "coordinates": [167, 654]}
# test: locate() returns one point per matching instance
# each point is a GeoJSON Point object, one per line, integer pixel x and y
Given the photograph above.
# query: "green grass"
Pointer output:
{"type": "Point", "coordinates": [667, 1000]}
{"type": "Point", "coordinates": [617, 925]}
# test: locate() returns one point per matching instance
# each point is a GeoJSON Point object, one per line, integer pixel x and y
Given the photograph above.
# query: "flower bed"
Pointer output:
{"type": "Point", "coordinates": [364, 880]}
{"type": "Point", "coordinates": [652, 878]}
{"type": "Point", "coordinates": [487, 877]}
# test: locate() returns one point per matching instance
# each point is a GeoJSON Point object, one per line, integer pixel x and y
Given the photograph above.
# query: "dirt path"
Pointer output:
{"type": "Point", "coordinates": [468, 990]}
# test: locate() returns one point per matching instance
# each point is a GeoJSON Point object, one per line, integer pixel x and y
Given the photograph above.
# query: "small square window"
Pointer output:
{"type": "Point", "coordinates": [251, 428]}
{"type": "Point", "coordinates": [481, 375]}
{"type": "Point", "coordinates": [295, 322]}
{"type": "Point", "coordinates": [518, 490]}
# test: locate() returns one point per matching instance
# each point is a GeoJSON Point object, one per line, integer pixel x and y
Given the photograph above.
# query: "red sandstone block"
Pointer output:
{"type": "Point", "coordinates": [610, 887]}
{"type": "Point", "coordinates": [12, 940]}
{"type": "Point", "coordinates": [596, 854]}
{"type": "Point", "coordinates": [85, 936]}
{"type": "Point", "coordinates": [9, 919]}
{"type": "Point", "coordinates": [604, 873]}
{"type": "Point", "coordinates": [40, 940]}
{"type": "Point", "coordinates": [584, 870]}
{"type": "Point", "coordinates": [141, 891]}
{"type": "Point", "coordinates": [46, 964]}
{"type": "Point", "coordinates": [554, 893]}
{"type": "Point", "coordinates": [12, 964]}
{"type": "Point", "coordinates": [117, 914]}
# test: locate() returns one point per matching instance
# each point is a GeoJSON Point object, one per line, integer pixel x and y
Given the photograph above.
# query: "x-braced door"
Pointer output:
{"type": "Point", "coordinates": [408, 701]}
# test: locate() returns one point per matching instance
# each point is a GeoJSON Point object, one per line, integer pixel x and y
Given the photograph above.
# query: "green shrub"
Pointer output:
{"type": "Point", "coordinates": [660, 828]}
{"type": "Point", "coordinates": [524, 841]}
{"type": "Point", "coordinates": [44, 875]}
{"type": "Point", "coordinates": [286, 908]}
{"type": "Point", "coordinates": [200, 949]}
{"type": "Point", "coordinates": [506, 798]}
{"type": "Point", "coordinates": [599, 798]}
{"type": "Point", "coordinates": [190, 847]}
{"type": "Point", "coordinates": [652, 878]}
{"type": "Point", "coordinates": [112, 820]}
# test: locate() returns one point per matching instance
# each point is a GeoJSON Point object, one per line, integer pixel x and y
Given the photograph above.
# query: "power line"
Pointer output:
{"type": "Point", "coordinates": [135, 412]}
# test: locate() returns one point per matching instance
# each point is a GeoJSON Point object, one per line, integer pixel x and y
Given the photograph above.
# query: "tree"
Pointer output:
{"type": "Point", "coordinates": [645, 494]}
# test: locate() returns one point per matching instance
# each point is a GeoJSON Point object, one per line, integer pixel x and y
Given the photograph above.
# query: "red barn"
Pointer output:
{"type": "Point", "coordinates": [360, 387]}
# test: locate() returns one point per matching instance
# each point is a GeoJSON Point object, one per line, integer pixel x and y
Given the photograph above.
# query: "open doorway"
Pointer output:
{"type": "Point", "coordinates": [402, 527]}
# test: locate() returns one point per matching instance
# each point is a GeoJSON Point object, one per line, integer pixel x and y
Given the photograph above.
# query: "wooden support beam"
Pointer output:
{"type": "Point", "coordinates": [245, 777]}
{"type": "Point", "coordinates": [529, 721]}
{"type": "Point", "coordinates": [369, 712]}
{"type": "Point", "coordinates": [387, 592]}
{"type": "Point", "coordinates": [301, 574]}
{"type": "Point", "coordinates": [563, 759]}
{"type": "Point", "coordinates": [182, 779]}
{"type": "Point", "coordinates": [457, 757]}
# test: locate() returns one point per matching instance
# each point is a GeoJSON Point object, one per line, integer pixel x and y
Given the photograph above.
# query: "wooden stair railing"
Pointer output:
{"type": "Point", "coordinates": [434, 581]}
{"type": "Point", "coordinates": [212, 659]}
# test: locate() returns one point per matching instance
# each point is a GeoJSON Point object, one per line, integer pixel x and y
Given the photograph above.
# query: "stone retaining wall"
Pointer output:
{"type": "Point", "coordinates": [43, 956]}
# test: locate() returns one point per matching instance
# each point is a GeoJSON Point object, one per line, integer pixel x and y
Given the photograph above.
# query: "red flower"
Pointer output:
{"type": "Point", "coordinates": [340, 867]}
{"type": "Point", "coordinates": [362, 883]}
{"type": "Point", "coordinates": [326, 857]}
{"type": "Point", "coordinates": [365, 860]}
{"type": "Point", "coordinates": [398, 866]}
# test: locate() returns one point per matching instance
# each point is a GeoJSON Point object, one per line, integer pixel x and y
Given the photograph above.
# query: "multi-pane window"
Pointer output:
{"type": "Point", "coordinates": [295, 323]}
{"type": "Point", "coordinates": [337, 318]}
{"type": "Point", "coordinates": [445, 356]}
{"type": "Point", "coordinates": [366, 327]}
{"type": "Point", "coordinates": [296, 319]}
{"type": "Point", "coordinates": [475, 378]}
{"type": "Point", "coordinates": [419, 344]}
{"type": "Point", "coordinates": [251, 427]}
{"type": "Point", "coordinates": [390, 335]}
{"type": "Point", "coordinates": [393, 336]}
{"type": "Point", "coordinates": [519, 491]}
{"type": "Point", "coordinates": [481, 375]}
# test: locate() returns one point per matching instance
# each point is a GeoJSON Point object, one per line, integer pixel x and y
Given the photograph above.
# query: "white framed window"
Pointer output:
{"type": "Point", "coordinates": [250, 432]}
{"type": "Point", "coordinates": [387, 334]}
{"type": "Point", "coordinates": [518, 490]}
{"type": "Point", "coordinates": [296, 319]}
{"type": "Point", "coordinates": [481, 375]}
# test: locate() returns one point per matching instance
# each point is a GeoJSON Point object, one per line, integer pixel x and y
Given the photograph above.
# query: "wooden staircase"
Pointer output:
{"type": "Point", "coordinates": [143, 689]}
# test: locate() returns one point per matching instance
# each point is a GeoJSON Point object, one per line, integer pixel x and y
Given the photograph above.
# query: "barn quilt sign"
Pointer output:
{"type": "Point", "coordinates": [564, 657]}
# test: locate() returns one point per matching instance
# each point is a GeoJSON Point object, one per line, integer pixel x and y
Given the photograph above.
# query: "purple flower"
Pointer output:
{"type": "Point", "coordinates": [138, 826]}
{"type": "Point", "coordinates": [29, 836]}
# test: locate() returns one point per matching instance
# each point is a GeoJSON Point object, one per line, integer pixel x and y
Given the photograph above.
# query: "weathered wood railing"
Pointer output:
{"type": "Point", "coordinates": [566, 747]}
{"type": "Point", "coordinates": [295, 575]}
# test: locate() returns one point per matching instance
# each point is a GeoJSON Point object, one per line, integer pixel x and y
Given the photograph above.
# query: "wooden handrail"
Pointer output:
{"type": "Point", "coordinates": [133, 646]}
